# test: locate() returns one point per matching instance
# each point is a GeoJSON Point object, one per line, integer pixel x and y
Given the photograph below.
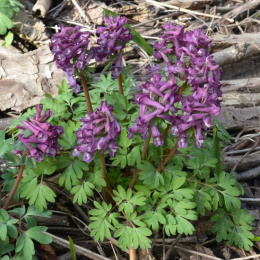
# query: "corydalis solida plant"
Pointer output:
{"type": "Point", "coordinates": [182, 92]}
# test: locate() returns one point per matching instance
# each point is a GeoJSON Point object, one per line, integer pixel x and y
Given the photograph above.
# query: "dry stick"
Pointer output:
{"type": "Point", "coordinates": [17, 181]}
{"type": "Point", "coordinates": [142, 157]}
{"type": "Point", "coordinates": [132, 254]}
{"type": "Point", "coordinates": [85, 88]}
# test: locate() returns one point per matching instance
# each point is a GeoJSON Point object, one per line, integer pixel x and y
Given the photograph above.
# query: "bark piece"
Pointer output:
{"type": "Point", "coordinates": [139, 13]}
{"type": "Point", "coordinates": [236, 53]}
{"type": "Point", "coordinates": [25, 78]}
{"type": "Point", "coordinates": [30, 29]}
{"type": "Point", "coordinates": [235, 119]}
{"type": "Point", "coordinates": [41, 7]}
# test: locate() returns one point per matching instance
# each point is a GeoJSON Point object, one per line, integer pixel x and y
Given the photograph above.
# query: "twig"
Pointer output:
{"type": "Point", "coordinates": [186, 10]}
{"type": "Point", "coordinates": [172, 246]}
{"type": "Point", "coordinates": [16, 184]}
{"type": "Point", "coordinates": [255, 145]}
{"type": "Point", "coordinates": [80, 11]}
{"type": "Point", "coordinates": [198, 253]}
{"type": "Point", "coordinates": [249, 174]}
{"type": "Point", "coordinates": [79, 249]}
{"type": "Point", "coordinates": [250, 199]}
{"type": "Point", "coordinates": [247, 257]}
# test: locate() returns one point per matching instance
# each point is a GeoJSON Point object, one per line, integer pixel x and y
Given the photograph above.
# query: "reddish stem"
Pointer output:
{"type": "Point", "coordinates": [120, 85]}
{"type": "Point", "coordinates": [16, 184]}
{"type": "Point", "coordinates": [167, 158]}
{"type": "Point", "coordinates": [142, 157]}
{"type": "Point", "coordinates": [85, 88]}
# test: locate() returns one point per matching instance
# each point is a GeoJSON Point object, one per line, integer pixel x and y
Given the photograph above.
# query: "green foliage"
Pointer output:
{"type": "Point", "coordinates": [5, 145]}
{"type": "Point", "coordinates": [233, 226]}
{"type": "Point", "coordinates": [103, 221]}
{"type": "Point", "coordinates": [73, 173]}
{"type": "Point", "coordinates": [72, 249]}
{"type": "Point", "coordinates": [149, 175]}
{"type": "Point", "coordinates": [7, 10]}
{"type": "Point", "coordinates": [126, 200]}
{"type": "Point", "coordinates": [33, 187]}
{"type": "Point", "coordinates": [24, 246]}
{"type": "Point", "coordinates": [81, 191]}
{"type": "Point", "coordinates": [8, 39]}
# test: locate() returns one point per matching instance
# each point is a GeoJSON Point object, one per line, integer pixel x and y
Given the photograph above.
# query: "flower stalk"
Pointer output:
{"type": "Point", "coordinates": [16, 184]}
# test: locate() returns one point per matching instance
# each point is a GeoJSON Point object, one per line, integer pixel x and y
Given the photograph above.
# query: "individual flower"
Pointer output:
{"type": "Point", "coordinates": [112, 40]}
{"type": "Point", "coordinates": [99, 132]}
{"type": "Point", "coordinates": [39, 136]}
{"type": "Point", "coordinates": [70, 51]}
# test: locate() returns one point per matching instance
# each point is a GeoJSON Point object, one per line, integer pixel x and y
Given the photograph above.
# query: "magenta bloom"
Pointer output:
{"type": "Point", "coordinates": [194, 65]}
{"type": "Point", "coordinates": [42, 138]}
{"type": "Point", "coordinates": [99, 131]}
{"type": "Point", "coordinates": [70, 51]}
{"type": "Point", "coordinates": [112, 40]}
{"type": "Point", "coordinates": [156, 101]}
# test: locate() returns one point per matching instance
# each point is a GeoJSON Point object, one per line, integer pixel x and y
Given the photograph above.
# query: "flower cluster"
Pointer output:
{"type": "Point", "coordinates": [99, 131]}
{"type": "Point", "coordinates": [39, 136]}
{"type": "Point", "coordinates": [156, 101]}
{"type": "Point", "coordinates": [68, 45]}
{"type": "Point", "coordinates": [112, 40]}
{"type": "Point", "coordinates": [183, 57]}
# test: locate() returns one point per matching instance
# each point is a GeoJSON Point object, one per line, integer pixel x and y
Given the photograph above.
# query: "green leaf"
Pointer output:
{"type": "Point", "coordinates": [3, 231]}
{"type": "Point", "coordinates": [38, 194]}
{"type": "Point", "coordinates": [5, 23]}
{"type": "Point", "coordinates": [184, 226]}
{"type": "Point", "coordinates": [8, 39]}
{"type": "Point", "coordinates": [137, 37]}
{"type": "Point", "coordinates": [72, 249]}
{"type": "Point", "coordinates": [149, 175]}
{"type": "Point", "coordinates": [37, 233]}
{"type": "Point", "coordinates": [72, 174]}
{"type": "Point", "coordinates": [5, 145]}
{"type": "Point", "coordinates": [134, 157]}
{"type": "Point", "coordinates": [133, 237]}
{"type": "Point", "coordinates": [102, 221]}
{"type": "Point", "coordinates": [24, 247]}
{"type": "Point", "coordinates": [126, 200]}
{"type": "Point", "coordinates": [241, 237]}
{"type": "Point", "coordinates": [81, 192]}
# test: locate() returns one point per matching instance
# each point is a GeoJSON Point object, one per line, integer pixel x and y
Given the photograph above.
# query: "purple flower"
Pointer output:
{"type": "Point", "coordinates": [99, 131]}
{"type": "Point", "coordinates": [185, 55]}
{"type": "Point", "coordinates": [70, 50]}
{"type": "Point", "coordinates": [156, 101]}
{"type": "Point", "coordinates": [112, 40]}
{"type": "Point", "coordinates": [43, 137]}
